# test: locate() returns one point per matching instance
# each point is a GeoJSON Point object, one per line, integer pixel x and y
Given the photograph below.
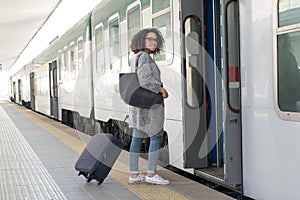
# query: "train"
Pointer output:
{"type": "Point", "coordinates": [232, 115]}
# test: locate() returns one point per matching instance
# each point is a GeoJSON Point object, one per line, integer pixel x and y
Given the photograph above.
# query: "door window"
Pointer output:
{"type": "Point", "coordinates": [194, 80]}
{"type": "Point", "coordinates": [232, 56]}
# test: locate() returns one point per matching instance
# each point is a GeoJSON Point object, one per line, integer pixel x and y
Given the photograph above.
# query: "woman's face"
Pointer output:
{"type": "Point", "coordinates": [150, 42]}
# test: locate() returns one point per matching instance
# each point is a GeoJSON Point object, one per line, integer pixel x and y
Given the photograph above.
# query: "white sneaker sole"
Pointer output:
{"type": "Point", "coordinates": [135, 182]}
{"type": "Point", "coordinates": [157, 183]}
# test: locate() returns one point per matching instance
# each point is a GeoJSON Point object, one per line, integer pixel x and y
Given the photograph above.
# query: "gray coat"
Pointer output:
{"type": "Point", "coordinates": [151, 120]}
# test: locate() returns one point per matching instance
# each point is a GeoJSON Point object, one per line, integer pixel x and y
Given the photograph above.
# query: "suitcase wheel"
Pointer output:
{"type": "Point", "coordinates": [85, 174]}
{"type": "Point", "coordinates": [100, 181]}
{"type": "Point", "coordinates": [90, 178]}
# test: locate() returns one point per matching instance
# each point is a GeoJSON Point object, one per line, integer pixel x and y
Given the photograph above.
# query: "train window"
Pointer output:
{"type": "Point", "coordinates": [288, 56]}
{"type": "Point", "coordinates": [60, 64]}
{"type": "Point", "coordinates": [288, 12]}
{"type": "Point", "coordinates": [44, 87]}
{"type": "Point", "coordinates": [66, 63]}
{"type": "Point", "coordinates": [55, 82]}
{"type": "Point", "coordinates": [51, 82]}
{"type": "Point", "coordinates": [232, 56]}
{"type": "Point", "coordinates": [133, 26]}
{"type": "Point", "coordinates": [159, 5]}
{"type": "Point", "coordinates": [161, 19]}
{"type": "Point", "coordinates": [38, 85]}
{"type": "Point", "coordinates": [41, 85]}
{"type": "Point", "coordinates": [100, 56]}
{"type": "Point", "coordinates": [80, 56]}
{"type": "Point", "coordinates": [288, 78]}
{"type": "Point", "coordinates": [194, 80]}
{"type": "Point", "coordinates": [72, 61]}
{"type": "Point", "coordinates": [114, 44]}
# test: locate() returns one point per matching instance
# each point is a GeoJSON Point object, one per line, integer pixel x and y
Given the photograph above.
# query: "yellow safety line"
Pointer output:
{"type": "Point", "coordinates": [144, 191]}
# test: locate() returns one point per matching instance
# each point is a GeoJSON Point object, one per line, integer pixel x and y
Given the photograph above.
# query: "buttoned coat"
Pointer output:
{"type": "Point", "coordinates": [151, 120]}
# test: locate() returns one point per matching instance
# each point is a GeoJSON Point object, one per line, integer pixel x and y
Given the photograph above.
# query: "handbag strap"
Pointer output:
{"type": "Point", "coordinates": [136, 64]}
{"type": "Point", "coordinates": [137, 60]}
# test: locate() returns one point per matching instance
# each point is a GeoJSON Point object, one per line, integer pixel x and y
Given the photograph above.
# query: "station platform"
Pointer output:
{"type": "Point", "coordinates": [37, 161]}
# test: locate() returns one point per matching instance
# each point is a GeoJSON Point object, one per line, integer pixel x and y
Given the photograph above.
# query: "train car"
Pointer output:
{"type": "Point", "coordinates": [20, 86]}
{"type": "Point", "coordinates": [269, 43]}
{"type": "Point", "coordinates": [60, 76]}
{"type": "Point", "coordinates": [231, 70]}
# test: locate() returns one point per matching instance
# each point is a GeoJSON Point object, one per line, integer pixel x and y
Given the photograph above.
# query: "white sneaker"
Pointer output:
{"type": "Point", "coordinates": [156, 179]}
{"type": "Point", "coordinates": [137, 179]}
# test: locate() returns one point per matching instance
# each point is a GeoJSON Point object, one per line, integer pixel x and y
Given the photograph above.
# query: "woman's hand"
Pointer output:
{"type": "Point", "coordinates": [164, 92]}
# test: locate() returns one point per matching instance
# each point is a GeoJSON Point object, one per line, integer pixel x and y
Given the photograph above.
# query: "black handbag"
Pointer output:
{"type": "Point", "coordinates": [134, 95]}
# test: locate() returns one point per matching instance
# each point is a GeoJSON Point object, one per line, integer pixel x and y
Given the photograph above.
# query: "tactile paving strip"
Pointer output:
{"type": "Point", "coordinates": [146, 191]}
{"type": "Point", "coordinates": [22, 175]}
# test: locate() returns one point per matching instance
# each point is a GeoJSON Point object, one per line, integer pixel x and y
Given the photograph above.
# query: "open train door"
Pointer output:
{"type": "Point", "coordinates": [14, 91]}
{"type": "Point", "coordinates": [53, 89]}
{"type": "Point", "coordinates": [194, 96]}
{"type": "Point", "coordinates": [20, 91]}
{"type": "Point", "coordinates": [231, 75]}
{"type": "Point", "coordinates": [32, 91]}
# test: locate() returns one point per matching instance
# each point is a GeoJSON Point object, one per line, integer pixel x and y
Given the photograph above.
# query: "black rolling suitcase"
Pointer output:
{"type": "Point", "coordinates": [98, 157]}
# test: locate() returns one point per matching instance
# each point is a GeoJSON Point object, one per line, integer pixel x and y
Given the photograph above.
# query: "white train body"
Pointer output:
{"type": "Point", "coordinates": [270, 136]}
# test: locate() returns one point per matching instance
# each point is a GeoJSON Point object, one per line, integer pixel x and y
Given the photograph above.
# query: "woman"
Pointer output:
{"type": "Point", "coordinates": [147, 122]}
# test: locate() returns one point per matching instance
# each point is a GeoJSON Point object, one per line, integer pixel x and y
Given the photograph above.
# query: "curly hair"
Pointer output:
{"type": "Point", "coordinates": [138, 40]}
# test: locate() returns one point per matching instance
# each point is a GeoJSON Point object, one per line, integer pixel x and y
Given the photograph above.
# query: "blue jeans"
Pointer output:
{"type": "Point", "coordinates": [136, 142]}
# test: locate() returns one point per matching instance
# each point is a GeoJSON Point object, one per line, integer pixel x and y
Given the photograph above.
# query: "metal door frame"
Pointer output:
{"type": "Point", "coordinates": [32, 90]}
{"type": "Point", "coordinates": [53, 85]}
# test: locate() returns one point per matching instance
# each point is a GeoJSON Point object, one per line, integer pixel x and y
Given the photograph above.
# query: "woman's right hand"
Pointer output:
{"type": "Point", "coordinates": [164, 92]}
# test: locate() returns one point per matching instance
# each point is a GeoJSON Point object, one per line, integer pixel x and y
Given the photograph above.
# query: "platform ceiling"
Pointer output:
{"type": "Point", "coordinates": [19, 21]}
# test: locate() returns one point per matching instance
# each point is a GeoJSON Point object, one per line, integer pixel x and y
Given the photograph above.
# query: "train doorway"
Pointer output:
{"type": "Point", "coordinates": [14, 91]}
{"type": "Point", "coordinates": [32, 91]}
{"type": "Point", "coordinates": [20, 91]}
{"type": "Point", "coordinates": [53, 89]}
{"type": "Point", "coordinates": [212, 142]}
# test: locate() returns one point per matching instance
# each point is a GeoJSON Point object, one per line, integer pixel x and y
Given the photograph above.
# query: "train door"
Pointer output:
{"type": "Point", "coordinates": [194, 96]}
{"type": "Point", "coordinates": [19, 91]}
{"type": "Point", "coordinates": [11, 89]}
{"type": "Point", "coordinates": [232, 125]}
{"type": "Point", "coordinates": [53, 89]}
{"type": "Point", "coordinates": [14, 91]}
{"type": "Point", "coordinates": [32, 91]}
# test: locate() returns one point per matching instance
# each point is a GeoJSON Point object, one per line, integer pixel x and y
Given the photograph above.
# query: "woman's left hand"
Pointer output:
{"type": "Point", "coordinates": [164, 92]}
